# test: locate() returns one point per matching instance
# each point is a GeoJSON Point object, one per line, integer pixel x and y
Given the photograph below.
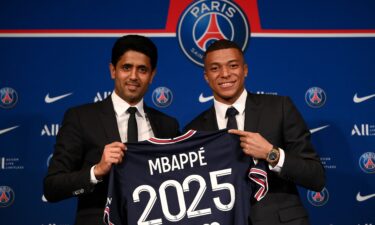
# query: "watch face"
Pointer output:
{"type": "Point", "coordinates": [272, 156]}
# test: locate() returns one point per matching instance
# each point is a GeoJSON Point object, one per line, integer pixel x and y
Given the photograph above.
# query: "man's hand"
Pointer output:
{"type": "Point", "coordinates": [112, 154]}
{"type": "Point", "coordinates": [253, 144]}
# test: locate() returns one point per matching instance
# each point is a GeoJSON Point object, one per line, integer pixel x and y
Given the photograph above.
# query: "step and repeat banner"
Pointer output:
{"type": "Point", "coordinates": [55, 55]}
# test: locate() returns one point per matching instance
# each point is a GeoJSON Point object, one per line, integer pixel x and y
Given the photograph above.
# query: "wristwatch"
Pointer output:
{"type": "Point", "coordinates": [273, 156]}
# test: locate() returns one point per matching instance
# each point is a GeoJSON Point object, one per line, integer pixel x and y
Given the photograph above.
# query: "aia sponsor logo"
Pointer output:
{"type": "Point", "coordinates": [8, 98]}
{"type": "Point", "coordinates": [50, 130]}
{"type": "Point", "coordinates": [363, 130]}
{"type": "Point", "coordinates": [6, 196]}
{"type": "Point", "coordinates": [367, 162]}
{"type": "Point", "coordinates": [318, 198]}
{"type": "Point", "coordinates": [203, 22]}
{"type": "Point", "coordinates": [162, 97]}
{"type": "Point", "coordinates": [101, 96]}
{"type": "Point", "coordinates": [315, 97]}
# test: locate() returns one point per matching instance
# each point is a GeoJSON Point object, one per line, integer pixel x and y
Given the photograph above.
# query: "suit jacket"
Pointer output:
{"type": "Point", "coordinates": [279, 122]}
{"type": "Point", "coordinates": [79, 145]}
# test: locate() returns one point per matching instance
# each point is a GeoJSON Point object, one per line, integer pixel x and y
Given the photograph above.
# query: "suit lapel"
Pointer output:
{"type": "Point", "coordinates": [210, 122]}
{"type": "Point", "coordinates": [108, 119]}
{"type": "Point", "coordinates": [252, 113]}
{"type": "Point", "coordinates": [154, 121]}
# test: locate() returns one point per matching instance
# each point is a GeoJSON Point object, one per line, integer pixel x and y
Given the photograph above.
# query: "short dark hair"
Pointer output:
{"type": "Point", "coordinates": [221, 44]}
{"type": "Point", "coordinates": [136, 43]}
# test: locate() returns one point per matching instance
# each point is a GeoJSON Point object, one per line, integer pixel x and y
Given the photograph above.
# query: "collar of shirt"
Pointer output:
{"type": "Point", "coordinates": [221, 110]}
{"type": "Point", "coordinates": [143, 124]}
{"type": "Point", "coordinates": [120, 105]}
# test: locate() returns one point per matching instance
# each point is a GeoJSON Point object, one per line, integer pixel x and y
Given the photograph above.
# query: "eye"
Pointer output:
{"type": "Point", "coordinates": [214, 68]}
{"type": "Point", "coordinates": [126, 67]}
{"type": "Point", "coordinates": [233, 66]}
{"type": "Point", "coordinates": [143, 69]}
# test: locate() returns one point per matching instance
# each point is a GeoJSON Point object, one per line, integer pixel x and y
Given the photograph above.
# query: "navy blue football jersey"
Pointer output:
{"type": "Point", "coordinates": [199, 178]}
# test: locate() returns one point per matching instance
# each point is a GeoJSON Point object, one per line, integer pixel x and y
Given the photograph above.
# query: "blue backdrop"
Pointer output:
{"type": "Point", "coordinates": [297, 48]}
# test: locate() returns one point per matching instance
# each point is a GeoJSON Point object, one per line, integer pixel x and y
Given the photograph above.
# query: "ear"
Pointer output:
{"type": "Point", "coordinates": [152, 76]}
{"type": "Point", "coordinates": [112, 70]}
{"type": "Point", "coordinates": [205, 76]}
{"type": "Point", "coordinates": [246, 69]}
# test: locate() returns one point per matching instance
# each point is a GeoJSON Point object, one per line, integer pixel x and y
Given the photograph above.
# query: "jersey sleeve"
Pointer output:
{"type": "Point", "coordinates": [259, 178]}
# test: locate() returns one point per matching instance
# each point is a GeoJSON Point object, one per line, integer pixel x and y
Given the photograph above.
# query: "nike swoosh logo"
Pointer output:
{"type": "Point", "coordinates": [318, 129]}
{"type": "Point", "coordinates": [357, 99]}
{"type": "Point", "coordinates": [362, 198]}
{"type": "Point", "coordinates": [3, 131]}
{"type": "Point", "coordinates": [203, 99]}
{"type": "Point", "coordinates": [48, 99]}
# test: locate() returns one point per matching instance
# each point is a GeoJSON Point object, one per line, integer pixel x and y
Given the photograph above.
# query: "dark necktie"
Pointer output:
{"type": "Point", "coordinates": [258, 172]}
{"type": "Point", "coordinates": [132, 125]}
{"type": "Point", "coordinates": [231, 115]}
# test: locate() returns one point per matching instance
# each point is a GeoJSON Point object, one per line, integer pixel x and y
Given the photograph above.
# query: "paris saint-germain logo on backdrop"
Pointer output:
{"type": "Point", "coordinates": [6, 196]}
{"type": "Point", "coordinates": [318, 198]}
{"type": "Point", "coordinates": [206, 21]}
{"type": "Point", "coordinates": [8, 97]}
{"type": "Point", "coordinates": [162, 97]}
{"type": "Point", "coordinates": [367, 162]}
{"type": "Point", "coordinates": [315, 97]}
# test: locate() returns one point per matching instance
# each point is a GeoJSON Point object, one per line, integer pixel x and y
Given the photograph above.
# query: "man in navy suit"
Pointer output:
{"type": "Point", "coordinates": [270, 129]}
{"type": "Point", "coordinates": [92, 136]}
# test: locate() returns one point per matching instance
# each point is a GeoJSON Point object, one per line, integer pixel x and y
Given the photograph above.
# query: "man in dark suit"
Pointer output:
{"type": "Point", "coordinates": [270, 129]}
{"type": "Point", "coordinates": [91, 138]}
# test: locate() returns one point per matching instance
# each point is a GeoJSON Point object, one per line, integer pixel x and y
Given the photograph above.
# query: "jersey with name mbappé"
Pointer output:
{"type": "Point", "coordinates": [199, 178]}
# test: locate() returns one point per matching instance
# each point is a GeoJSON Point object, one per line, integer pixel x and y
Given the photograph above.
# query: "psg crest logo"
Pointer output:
{"type": "Point", "coordinates": [206, 21]}
{"type": "Point", "coordinates": [8, 98]}
{"type": "Point", "coordinates": [367, 162]}
{"type": "Point", "coordinates": [315, 97]}
{"type": "Point", "coordinates": [6, 196]}
{"type": "Point", "coordinates": [162, 97]}
{"type": "Point", "coordinates": [318, 198]}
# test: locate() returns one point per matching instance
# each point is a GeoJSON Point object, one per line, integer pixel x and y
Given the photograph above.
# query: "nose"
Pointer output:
{"type": "Point", "coordinates": [225, 71]}
{"type": "Point", "coordinates": [133, 74]}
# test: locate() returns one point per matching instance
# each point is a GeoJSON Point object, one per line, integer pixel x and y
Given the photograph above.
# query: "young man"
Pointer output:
{"type": "Point", "coordinates": [270, 129]}
{"type": "Point", "coordinates": [91, 138]}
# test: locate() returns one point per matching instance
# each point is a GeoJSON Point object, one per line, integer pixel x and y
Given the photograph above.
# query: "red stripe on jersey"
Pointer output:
{"type": "Point", "coordinates": [185, 136]}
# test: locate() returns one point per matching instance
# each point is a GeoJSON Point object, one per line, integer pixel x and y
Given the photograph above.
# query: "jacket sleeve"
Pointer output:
{"type": "Point", "coordinates": [302, 164]}
{"type": "Point", "coordinates": [66, 177]}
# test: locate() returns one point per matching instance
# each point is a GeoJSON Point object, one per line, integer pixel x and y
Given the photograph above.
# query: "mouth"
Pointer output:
{"type": "Point", "coordinates": [132, 86]}
{"type": "Point", "coordinates": [227, 84]}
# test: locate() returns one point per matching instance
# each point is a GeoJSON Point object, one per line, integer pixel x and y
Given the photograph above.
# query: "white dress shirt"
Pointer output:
{"type": "Point", "coordinates": [122, 116]}
{"type": "Point", "coordinates": [239, 105]}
